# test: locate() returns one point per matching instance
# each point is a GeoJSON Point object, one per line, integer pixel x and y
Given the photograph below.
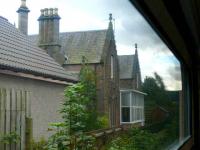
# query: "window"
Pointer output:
{"type": "Point", "coordinates": [111, 67]}
{"type": "Point", "coordinates": [132, 106]}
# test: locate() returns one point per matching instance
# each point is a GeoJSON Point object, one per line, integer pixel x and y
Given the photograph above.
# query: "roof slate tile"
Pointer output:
{"type": "Point", "coordinates": [19, 54]}
{"type": "Point", "coordinates": [83, 43]}
{"type": "Point", "coordinates": [126, 66]}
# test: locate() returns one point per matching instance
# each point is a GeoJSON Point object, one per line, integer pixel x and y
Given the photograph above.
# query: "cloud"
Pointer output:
{"type": "Point", "coordinates": [175, 72]}
{"type": "Point", "coordinates": [130, 28]}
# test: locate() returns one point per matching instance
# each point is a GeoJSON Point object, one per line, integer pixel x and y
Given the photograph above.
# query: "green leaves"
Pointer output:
{"type": "Point", "coordinates": [79, 115]}
{"type": "Point", "coordinates": [12, 137]}
{"type": "Point", "coordinates": [156, 92]}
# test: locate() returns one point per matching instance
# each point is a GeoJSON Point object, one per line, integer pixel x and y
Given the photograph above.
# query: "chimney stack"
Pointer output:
{"type": "Point", "coordinates": [23, 17]}
{"type": "Point", "coordinates": [49, 33]}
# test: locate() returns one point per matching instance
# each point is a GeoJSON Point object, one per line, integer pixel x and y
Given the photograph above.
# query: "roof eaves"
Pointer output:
{"type": "Point", "coordinates": [68, 79]}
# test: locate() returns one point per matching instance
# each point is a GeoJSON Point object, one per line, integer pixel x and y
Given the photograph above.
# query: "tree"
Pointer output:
{"type": "Point", "coordinates": [155, 89]}
{"type": "Point", "coordinates": [79, 115]}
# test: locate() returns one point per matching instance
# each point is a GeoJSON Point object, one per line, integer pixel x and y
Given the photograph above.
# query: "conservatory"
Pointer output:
{"type": "Point", "coordinates": [131, 107]}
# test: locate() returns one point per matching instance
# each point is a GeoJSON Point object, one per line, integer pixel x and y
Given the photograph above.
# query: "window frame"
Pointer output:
{"type": "Point", "coordinates": [138, 107]}
{"type": "Point", "coordinates": [189, 67]}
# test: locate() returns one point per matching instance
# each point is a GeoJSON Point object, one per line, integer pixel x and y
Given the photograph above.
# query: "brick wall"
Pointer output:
{"type": "Point", "coordinates": [127, 84]}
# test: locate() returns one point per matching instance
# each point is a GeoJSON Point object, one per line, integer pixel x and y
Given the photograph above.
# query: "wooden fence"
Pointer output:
{"type": "Point", "coordinates": [14, 108]}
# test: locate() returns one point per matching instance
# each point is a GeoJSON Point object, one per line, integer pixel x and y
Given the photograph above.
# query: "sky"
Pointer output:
{"type": "Point", "coordinates": [130, 28]}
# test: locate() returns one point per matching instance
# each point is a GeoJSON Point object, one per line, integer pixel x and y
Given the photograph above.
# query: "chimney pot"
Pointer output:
{"type": "Point", "coordinates": [42, 12]}
{"type": "Point", "coordinates": [51, 11]}
{"type": "Point", "coordinates": [56, 11]}
{"type": "Point", "coordinates": [46, 12]}
{"type": "Point", "coordinates": [23, 3]}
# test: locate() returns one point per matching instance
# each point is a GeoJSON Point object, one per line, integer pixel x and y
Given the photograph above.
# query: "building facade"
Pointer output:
{"type": "Point", "coordinates": [131, 97]}
{"type": "Point", "coordinates": [31, 85]}
{"type": "Point", "coordinates": [96, 47]}
{"type": "Point", "coordinates": [130, 75]}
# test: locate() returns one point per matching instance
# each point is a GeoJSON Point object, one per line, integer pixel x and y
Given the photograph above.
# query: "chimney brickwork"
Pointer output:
{"type": "Point", "coordinates": [49, 33]}
{"type": "Point", "coordinates": [23, 17]}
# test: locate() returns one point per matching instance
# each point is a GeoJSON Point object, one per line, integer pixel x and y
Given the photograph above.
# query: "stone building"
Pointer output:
{"type": "Point", "coordinates": [31, 84]}
{"type": "Point", "coordinates": [131, 98]}
{"type": "Point", "coordinates": [69, 48]}
{"type": "Point", "coordinates": [130, 75]}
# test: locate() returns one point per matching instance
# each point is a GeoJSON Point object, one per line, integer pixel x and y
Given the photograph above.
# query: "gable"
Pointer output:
{"type": "Point", "coordinates": [84, 43]}
{"type": "Point", "coordinates": [20, 55]}
{"type": "Point", "coordinates": [126, 66]}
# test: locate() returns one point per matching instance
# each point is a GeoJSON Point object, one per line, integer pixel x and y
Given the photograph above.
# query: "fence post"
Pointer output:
{"type": "Point", "coordinates": [29, 134]}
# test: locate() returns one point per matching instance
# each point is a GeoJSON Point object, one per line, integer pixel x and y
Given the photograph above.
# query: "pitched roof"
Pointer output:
{"type": "Point", "coordinates": [83, 43]}
{"type": "Point", "coordinates": [126, 66]}
{"type": "Point", "coordinates": [17, 53]}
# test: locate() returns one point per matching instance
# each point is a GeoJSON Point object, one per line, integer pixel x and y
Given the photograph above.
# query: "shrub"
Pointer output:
{"type": "Point", "coordinates": [40, 145]}
{"type": "Point", "coordinates": [12, 137]}
{"type": "Point", "coordinates": [79, 115]}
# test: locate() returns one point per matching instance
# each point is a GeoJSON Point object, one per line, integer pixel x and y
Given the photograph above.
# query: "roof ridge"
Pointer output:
{"type": "Point", "coordinates": [126, 55]}
{"type": "Point", "coordinates": [81, 31]}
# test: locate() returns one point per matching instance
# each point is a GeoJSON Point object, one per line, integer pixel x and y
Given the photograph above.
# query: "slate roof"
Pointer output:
{"type": "Point", "coordinates": [17, 53]}
{"type": "Point", "coordinates": [126, 66]}
{"type": "Point", "coordinates": [83, 43]}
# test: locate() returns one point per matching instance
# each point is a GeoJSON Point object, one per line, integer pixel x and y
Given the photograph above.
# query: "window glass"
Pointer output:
{"type": "Point", "coordinates": [125, 99]}
{"type": "Point", "coordinates": [125, 114]}
{"type": "Point", "coordinates": [133, 99]}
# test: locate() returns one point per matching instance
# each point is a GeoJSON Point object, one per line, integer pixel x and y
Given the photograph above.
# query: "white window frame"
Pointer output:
{"type": "Point", "coordinates": [139, 107]}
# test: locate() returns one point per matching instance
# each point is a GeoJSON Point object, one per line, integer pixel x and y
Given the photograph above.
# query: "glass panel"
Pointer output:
{"type": "Point", "coordinates": [125, 99]}
{"type": "Point", "coordinates": [137, 99]}
{"type": "Point", "coordinates": [133, 113]}
{"type": "Point", "coordinates": [125, 114]}
{"type": "Point", "coordinates": [133, 99]}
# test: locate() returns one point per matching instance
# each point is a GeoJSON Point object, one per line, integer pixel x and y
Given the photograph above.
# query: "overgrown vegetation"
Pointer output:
{"type": "Point", "coordinates": [157, 135]}
{"type": "Point", "coordinates": [147, 138]}
{"type": "Point", "coordinates": [9, 138]}
{"type": "Point", "coordinates": [79, 115]}
{"type": "Point", "coordinates": [40, 145]}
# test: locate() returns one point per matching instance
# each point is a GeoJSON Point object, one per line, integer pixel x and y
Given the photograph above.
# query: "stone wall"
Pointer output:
{"type": "Point", "coordinates": [127, 84]}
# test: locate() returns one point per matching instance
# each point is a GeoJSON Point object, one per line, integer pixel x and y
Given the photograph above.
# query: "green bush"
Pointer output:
{"type": "Point", "coordinates": [79, 115]}
{"type": "Point", "coordinates": [40, 145]}
{"type": "Point", "coordinates": [103, 121]}
{"type": "Point", "coordinates": [142, 139]}
{"type": "Point", "coordinates": [12, 137]}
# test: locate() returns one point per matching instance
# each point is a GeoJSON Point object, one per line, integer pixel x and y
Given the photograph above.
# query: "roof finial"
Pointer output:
{"type": "Point", "coordinates": [136, 46]}
{"type": "Point", "coordinates": [110, 22]}
{"type": "Point", "coordinates": [110, 17]}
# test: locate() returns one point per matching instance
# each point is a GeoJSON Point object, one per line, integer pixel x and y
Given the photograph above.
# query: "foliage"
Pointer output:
{"type": "Point", "coordinates": [40, 145]}
{"type": "Point", "coordinates": [136, 139]}
{"type": "Point", "coordinates": [12, 137]}
{"type": "Point", "coordinates": [142, 139]}
{"type": "Point", "coordinates": [103, 121]}
{"type": "Point", "coordinates": [154, 136]}
{"type": "Point", "coordinates": [156, 92]}
{"type": "Point", "coordinates": [79, 115]}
